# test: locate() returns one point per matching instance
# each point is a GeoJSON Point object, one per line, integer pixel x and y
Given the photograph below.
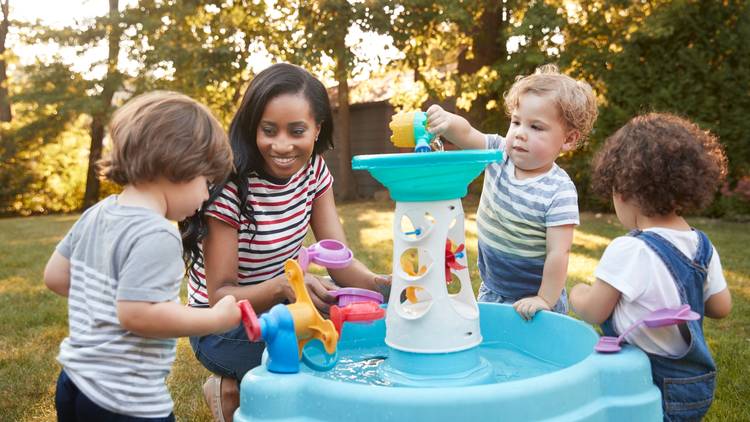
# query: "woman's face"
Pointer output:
{"type": "Point", "coordinates": [286, 135]}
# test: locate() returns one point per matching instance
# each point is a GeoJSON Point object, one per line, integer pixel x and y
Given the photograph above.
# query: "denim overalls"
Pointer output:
{"type": "Point", "coordinates": [686, 382]}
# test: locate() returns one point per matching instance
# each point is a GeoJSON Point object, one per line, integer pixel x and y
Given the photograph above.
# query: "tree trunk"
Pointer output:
{"type": "Point", "coordinates": [95, 152]}
{"type": "Point", "coordinates": [347, 186]}
{"type": "Point", "coordinates": [5, 112]}
{"type": "Point", "coordinates": [488, 45]}
{"type": "Point", "coordinates": [99, 117]}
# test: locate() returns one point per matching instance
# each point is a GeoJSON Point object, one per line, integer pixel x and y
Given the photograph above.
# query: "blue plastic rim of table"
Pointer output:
{"type": "Point", "coordinates": [542, 370]}
{"type": "Point", "coordinates": [427, 176]}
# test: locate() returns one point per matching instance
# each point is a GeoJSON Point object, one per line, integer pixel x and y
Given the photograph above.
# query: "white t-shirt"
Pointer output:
{"type": "Point", "coordinates": [645, 284]}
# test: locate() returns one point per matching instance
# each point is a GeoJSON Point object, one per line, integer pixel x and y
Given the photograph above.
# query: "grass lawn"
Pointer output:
{"type": "Point", "coordinates": [34, 320]}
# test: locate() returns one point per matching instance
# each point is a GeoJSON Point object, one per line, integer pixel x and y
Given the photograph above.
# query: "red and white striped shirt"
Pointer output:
{"type": "Point", "coordinates": [281, 212]}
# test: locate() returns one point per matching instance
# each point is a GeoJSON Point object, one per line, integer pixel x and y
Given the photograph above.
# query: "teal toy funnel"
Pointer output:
{"type": "Point", "coordinates": [429, 176]}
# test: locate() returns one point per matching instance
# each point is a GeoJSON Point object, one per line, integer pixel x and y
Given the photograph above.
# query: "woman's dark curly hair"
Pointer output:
{"type": "Point", "coordinates": [661, 162]}
{"type": "Point", "coordinates": [278, 79]}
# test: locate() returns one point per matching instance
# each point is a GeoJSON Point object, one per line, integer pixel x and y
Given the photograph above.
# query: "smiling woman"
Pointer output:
{"type": "Point", "coordinates": [258, 219]}
{"type": "Point", "coordinates": [286, 135]}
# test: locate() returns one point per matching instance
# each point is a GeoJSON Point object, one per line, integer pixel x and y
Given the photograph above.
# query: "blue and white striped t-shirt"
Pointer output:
{"type": "Point", "coordinates": [120, 253]}
{"type": "Point", "coordinates": [512, 222]}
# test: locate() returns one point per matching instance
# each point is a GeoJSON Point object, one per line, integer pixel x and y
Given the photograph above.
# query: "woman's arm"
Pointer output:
{"type": "Point", "coordinates": [57, 274]}
{"type": "Point", "coordinates": [221, 262]}
{"type": "Point", "coordinates": [325, 224]}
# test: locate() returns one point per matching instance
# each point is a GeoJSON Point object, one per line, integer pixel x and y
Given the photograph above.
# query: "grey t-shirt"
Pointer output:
{"type": "Point", "coordinates": [120, 253]}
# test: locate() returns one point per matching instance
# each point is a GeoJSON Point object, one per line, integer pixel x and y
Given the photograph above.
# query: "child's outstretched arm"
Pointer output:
{"type": "Point", "coordinates": [454, 128]}
{"type": "Point", "coordinates": [172, 319]}
{"type": "Point", "coordinates": [559, 241]}
{"type": "Point", "coordinates": [594, 303]}
{"type": "Point", "coordinates": [57, 274]}
{"type": "Point", "coordinates": [325, 224]}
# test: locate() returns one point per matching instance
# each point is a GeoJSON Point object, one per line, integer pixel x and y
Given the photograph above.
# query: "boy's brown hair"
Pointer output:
{"type": "Point", "coordinates": [166, 134]}
{"type": "Point", "coordinates": [575, 100]}
{"type": "Point", "coordinates": [661, 162]}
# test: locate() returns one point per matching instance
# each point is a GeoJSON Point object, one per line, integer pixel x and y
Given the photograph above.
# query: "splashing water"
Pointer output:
{"type": "Point", "coordinates": [437, 144]}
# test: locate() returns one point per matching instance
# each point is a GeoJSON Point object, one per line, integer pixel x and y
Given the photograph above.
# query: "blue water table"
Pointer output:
{"type": "Point", "coordinates": [438, 355]}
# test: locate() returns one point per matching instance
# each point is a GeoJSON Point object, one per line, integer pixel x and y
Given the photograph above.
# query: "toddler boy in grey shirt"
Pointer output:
{"type": "Point", "coordinates": [121, 263]}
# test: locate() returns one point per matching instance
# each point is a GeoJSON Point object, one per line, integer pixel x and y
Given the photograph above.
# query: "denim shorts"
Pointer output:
{"type": "Point", "coordinates": [228, 354]}
{"type": "Point", "coordinates": [72, 405]}
{"type": "Point", "coordinates": [487, 295]}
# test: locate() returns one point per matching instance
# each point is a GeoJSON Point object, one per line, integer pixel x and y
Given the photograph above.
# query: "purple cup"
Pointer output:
{"type": "Point", "coordinates": [350, 295]}
{"type": "Point", "coordinates": [328, 253]}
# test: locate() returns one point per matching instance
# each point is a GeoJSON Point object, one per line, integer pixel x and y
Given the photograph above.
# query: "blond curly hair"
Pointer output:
{"type": "Point", "coordinates": [575, 99]}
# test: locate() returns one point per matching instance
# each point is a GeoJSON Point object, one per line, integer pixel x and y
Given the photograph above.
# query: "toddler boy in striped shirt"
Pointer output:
{"type": "Point", "coordinates": [529, 205]}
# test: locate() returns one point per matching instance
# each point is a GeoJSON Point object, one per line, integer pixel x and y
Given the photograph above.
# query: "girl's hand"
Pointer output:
{"type": "Point", "coordinates": [438, 120]}
{"type": "Point", "coordinates": [528, 306]}
{"type": "Point", "coordinates": [226, 314]}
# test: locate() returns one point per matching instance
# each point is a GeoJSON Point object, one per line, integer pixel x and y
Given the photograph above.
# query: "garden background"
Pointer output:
{"type": "Point", "coordinates": [60, 82]}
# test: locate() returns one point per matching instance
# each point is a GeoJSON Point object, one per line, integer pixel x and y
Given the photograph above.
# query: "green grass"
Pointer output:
{"type": "Point", "coordinates": [34, 320]}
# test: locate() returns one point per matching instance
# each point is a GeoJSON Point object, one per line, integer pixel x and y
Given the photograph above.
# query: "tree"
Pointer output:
{"type": "Point", "coordinates": [5, 112]}
{"type": "Point", "coordinates": [102, 104]}
{"type": "Point", "coordinates": [458, 51]}
{"type": "Point", "coordinates": [314, 33]}
{"type": "Point", "coordinates": [55, 95]}
{"type": "Point", "coordinates": [687, 57]}
{"type": "Point", "coordinates": [200, 48]}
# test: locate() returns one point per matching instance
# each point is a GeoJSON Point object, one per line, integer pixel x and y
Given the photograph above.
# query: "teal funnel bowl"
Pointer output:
{"type": "Point", "coordinates": [427, 176]}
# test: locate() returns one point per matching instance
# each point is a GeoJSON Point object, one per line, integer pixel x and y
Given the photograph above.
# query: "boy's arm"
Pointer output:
{"type": "Point", "coordinates": [171, 319]}
{"type": "Point", "coordinates": [57, 274]}
{"type": "Point", "coordinates": [594, 303]}
{"type": "Point", "coordinates": [454, 128]}
{"type": "Point", "coordinates": [719, 305]}
{"type": "Point", "coordinates": [559, 240]}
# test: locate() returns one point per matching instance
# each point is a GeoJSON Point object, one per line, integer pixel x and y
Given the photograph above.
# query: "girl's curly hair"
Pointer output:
{"type": "Point", "coordinates": [661, 162]}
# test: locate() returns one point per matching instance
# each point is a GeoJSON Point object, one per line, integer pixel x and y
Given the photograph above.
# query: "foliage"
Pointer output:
{"type": "Point", "coordinates": [688, 57]}
{"type": "Point", "coordinates": [199, 48]}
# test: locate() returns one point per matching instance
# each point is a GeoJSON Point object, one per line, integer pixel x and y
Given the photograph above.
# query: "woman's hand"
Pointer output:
{"type": "Point", "coordinates": [318, 289]}
{"type": "Point", "coordinates": [383, 285]}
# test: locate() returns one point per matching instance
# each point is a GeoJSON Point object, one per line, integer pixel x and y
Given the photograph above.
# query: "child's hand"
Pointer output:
{"type": "Point", "coordinates": [438, 120]}
{"type": "Point", "coordinates": [227, 314]}
{"type": "Point", "coordinates": [528, 306]}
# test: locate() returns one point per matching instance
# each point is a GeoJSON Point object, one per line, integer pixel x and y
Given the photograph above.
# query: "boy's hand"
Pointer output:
{"type": "Point", "coordinates": [438, 120]}
{"type": "Point", "coordinates": [528, 306]}
{"type": "Point", "coordinates": [227, 314]}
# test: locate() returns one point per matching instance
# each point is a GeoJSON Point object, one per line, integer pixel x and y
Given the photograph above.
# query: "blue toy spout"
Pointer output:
{"type": "Point", "coordinates": [422, 137]}
{"type": "Point", "coordinates": [277, 329]}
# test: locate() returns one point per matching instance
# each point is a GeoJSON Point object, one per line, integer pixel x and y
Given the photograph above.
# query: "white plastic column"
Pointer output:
{"type": "Point", "coordinates": [438, 322]}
